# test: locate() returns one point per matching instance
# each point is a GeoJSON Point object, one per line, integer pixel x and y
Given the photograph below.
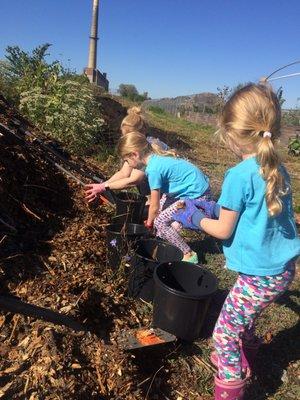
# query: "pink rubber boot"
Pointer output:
{"type": "Point", "coordinates": [233, 390]}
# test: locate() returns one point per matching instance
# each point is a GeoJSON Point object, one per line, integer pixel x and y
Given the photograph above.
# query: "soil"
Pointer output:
{"type": "Point", "coordinates": [53, 256]}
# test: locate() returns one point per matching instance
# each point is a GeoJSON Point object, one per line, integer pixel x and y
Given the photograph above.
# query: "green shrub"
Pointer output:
{"type": "Point", "coordinates": [291, 117]}
{"type": "Point", "coordinates": [130, 92]}
{"type": "Point", "coordinates": [68, 112]}
{"type": "Point", "coordinates": [156, 110]}
{"type": "Point", "coordinates": [56, 100]}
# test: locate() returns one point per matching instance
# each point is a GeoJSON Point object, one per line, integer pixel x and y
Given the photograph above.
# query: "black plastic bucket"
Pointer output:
{"type": "Point", "coordinates": [129, 208]}
{"type": "Point", "coordinates": [120, 238]}
{"type": "Point", "coordinates": [148, 254]}
{"type": "Point", "coordinates": [182, 295]}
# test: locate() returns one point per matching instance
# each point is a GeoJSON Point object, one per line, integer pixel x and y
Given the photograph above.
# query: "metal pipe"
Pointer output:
{"type": "Point", "coordinates": [281, 68]}
{"type": "Point", "coordinates": [284, 76]}
{"type": "Point", "coordinates": [92, 62]}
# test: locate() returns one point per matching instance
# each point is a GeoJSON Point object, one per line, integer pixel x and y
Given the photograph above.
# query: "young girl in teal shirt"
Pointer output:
{"type": "Point", "coordinates": [254, 217]}
{"type": "Point", "coordinates": [171, 179]}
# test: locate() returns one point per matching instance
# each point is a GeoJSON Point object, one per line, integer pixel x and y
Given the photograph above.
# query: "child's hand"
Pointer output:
{"type": "Point", "coordinates": [210, 208]}
{"type": "Point", "coordinates": [189, 215]}
{"type": "Point", "coordinates": [93, 190]}
{"type": "Point", "coordinates": [148, 226]}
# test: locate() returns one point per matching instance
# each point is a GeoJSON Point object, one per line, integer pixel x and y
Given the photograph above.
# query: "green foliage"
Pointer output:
{"type": "Point", "coordinates": [130, 92]}
{"type": "Point", "coordinates": [279, 94]}
{"type": "Point", "coordinates": [22, 71]}
{"type": "Point", "coordinates": [55, 99]}
{"type": "Point", "coordinates": [291, 117]}
{"type": "Point", "coordinates": [67, 111]}
{"type": "Point", "coordinates": [156, 110]}
{"type": "Point", "coordinates": [6, 86]}
{"type": "Point", "coordinates": [294, 146]}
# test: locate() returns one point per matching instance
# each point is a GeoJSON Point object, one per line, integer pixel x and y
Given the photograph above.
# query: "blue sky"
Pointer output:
{"type": "Point", "coordinates": [166, 47]}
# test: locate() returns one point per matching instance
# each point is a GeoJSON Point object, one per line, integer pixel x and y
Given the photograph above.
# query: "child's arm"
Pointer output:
{"type": "Point", "coordinates": [221, 228]}
{"type": "Point", "coordinates": [124, 172]}
{"type": "Point", "coordinates": [135, 178]}
{"type": "Point", "coordinates": [125, 181]}
{"type": "Point", "coordinates": [192, 217]}
{"type": "Point", "coordinates": [154, 206]}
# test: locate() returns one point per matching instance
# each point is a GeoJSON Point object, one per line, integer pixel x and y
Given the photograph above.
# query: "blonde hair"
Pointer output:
{"type": "Point", "coordinates": [134, 120]}
{"type": "Point", "coordinates": [251, 111]}
{"type": "Point", "coordinates": [136, 141]}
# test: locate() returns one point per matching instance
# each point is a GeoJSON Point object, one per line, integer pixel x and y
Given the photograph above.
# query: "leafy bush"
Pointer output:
{"type": "Point", "coordinates": [156, 110]}
{"type": "Point", "coordinates": [67, 111]}
{"type": "Point", "coordinates": [291, 117]}
{"type": "Point", "coordinates": [56, 100]}
{"type": "Point", "coordinates": [130, 92]}
{"type": "Point", "coordinates": [23, 71]}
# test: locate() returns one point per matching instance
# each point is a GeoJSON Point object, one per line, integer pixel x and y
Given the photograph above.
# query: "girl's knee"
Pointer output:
{"type": "Point", "coordinates": [159, 223]}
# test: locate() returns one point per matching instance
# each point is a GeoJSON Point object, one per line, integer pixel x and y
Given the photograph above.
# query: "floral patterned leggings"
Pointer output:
{"type": "Point", "coordinates": [244, 303]}
{"type": "Point", "coordinates": [169, 231]}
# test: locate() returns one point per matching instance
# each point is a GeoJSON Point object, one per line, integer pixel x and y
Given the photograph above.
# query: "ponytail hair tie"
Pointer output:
{"type": "Point", "coordinates": [267, 134]}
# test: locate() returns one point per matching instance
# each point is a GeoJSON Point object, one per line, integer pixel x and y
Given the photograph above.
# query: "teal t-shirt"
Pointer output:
{"type": "Point", "coordinates": [260, 245]}
{"type": "Point", "coordinates": [176, 177]}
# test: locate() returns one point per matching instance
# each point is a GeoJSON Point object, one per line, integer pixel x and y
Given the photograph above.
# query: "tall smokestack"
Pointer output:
{"type": "Point", "coordinates": [94, 36]}
{"type": "Point", "coordinates": [91, 71]}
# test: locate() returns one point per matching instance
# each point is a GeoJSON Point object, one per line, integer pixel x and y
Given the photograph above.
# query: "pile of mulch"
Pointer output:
{"type": "Point", "coordinates": [53, 255]}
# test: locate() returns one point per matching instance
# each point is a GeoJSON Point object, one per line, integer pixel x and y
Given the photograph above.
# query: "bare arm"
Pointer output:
{"type": "Point", "coordinates": [124, 172]}
{"type": "Point", "coordinates": [135, 178]}
{"type": "Point", "coordinates": [223, 227]}
{"type": "Point", "coordinates": [154, 206]}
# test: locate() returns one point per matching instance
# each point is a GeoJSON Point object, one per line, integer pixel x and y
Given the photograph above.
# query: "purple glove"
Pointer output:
{"type": "Point", "coordinates": [189, 216]}
{"type": "Point", "coordinates": [210, 208]}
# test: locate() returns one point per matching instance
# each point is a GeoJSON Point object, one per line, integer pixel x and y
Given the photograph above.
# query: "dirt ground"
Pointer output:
{"type": "Point", "coordinates": [53, 256]}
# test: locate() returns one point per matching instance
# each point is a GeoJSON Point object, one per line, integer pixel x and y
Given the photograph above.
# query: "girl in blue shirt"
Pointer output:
{"type": "Point", "coordinates": [254, 217]}
{"type": "Point", "coordinates": [127, 176]}
{"type": "Point", "coordinates": [167, 175]}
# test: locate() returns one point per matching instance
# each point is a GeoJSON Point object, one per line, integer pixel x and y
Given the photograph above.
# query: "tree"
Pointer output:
{"type": "Point", "coordinates": [223, 95]}
{"type": "Point", "coordinates": [127, 90]}
{"type": "Point", "coordinates": [130, 92]}
{"type": "Point", "coordinates": [225, 92]}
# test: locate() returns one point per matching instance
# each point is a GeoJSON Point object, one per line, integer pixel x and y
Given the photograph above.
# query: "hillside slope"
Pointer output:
{"type": "Point", "coordinates": [195, 102]}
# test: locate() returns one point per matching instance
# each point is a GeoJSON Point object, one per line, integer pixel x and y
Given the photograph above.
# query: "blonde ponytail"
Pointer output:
{"type": "Point", "coordinates": [134, 121]}
{"type": "Point", "coordinates": [137, 142]}
{"type": "Point", "coordinates": [156, 148]}
{"type": "Point", "coordinates": [249, 113]}
{"type": "Point", "coordinates": [269, 162]}
{"type": "Point", "coordinates": [134, 110]}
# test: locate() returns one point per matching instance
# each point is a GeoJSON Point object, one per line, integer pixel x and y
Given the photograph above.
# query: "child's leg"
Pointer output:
{"type": "Point", "coordinates": [162, 201]}
{"type": "Point", "coordinates": [244, 303]}
{"type": "Point", "coordinates": [164, 229]}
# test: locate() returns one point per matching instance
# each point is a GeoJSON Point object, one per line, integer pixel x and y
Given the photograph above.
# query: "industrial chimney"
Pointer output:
{"type": "Point", "coordinates": [91, 70]}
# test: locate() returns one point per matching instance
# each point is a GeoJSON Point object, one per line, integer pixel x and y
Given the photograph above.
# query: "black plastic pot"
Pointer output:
{"type": "Point", "coordinates": [182, 295]}
{"type": "Point", "coordinates": [120, 238]}
{"type": "Point", "coordinates": [129, 208]}
{"type": "Point", "coordinates": [148, 254]}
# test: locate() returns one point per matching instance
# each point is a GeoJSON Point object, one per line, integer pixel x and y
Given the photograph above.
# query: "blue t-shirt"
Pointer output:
{"type": "Point", "coordinates": [260, 245]}
{"type": "Point", "coordinates": [176, 177]}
